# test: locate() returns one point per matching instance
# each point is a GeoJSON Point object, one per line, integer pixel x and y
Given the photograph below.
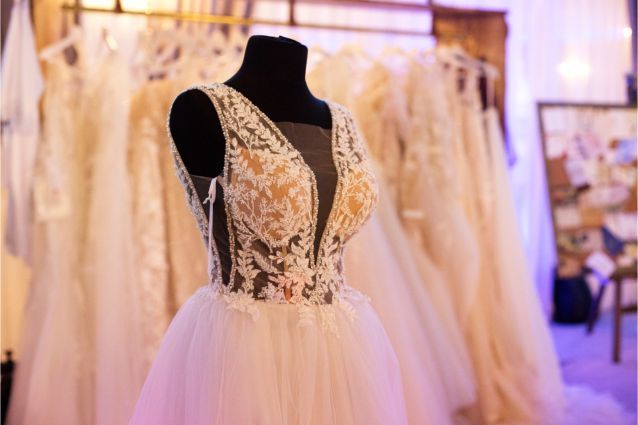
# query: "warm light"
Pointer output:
{"type": "Point", "coordinates": [129, 5]}
{"type": "Point", "coordinates": [135, 5]}
{"type": "Point", "coordinates": [573, 69]}
{"type": "Point", "coordinates": [100, 4]}
{"type": "Point", "coordinates": [626, 32]}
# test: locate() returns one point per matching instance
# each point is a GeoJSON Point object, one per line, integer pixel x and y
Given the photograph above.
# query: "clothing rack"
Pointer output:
{"type": "Point", "coordinates": [77, 8]}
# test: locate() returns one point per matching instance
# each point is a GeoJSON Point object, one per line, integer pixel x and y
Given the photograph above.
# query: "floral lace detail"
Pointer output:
{"type": "Point", "coordinates": [271, 202]}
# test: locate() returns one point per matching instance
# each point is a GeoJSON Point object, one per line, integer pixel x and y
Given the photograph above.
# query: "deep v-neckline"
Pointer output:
{"type": "Point", "coordinates": [311, 173]}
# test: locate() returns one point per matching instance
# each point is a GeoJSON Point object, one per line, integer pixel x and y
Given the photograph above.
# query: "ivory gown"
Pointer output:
{"type": "Point", "coordinates": [83, 323]}
{"type": "Point", "coordinates": [55, 337]}
{"type": "Point", "coordinates": [278, 337]}
{"type": "Point", "coordinates": [434, 348]}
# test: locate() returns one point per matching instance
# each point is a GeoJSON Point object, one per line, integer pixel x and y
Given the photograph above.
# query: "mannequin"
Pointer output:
{"type": "Point", "coordinates": [272, 76]}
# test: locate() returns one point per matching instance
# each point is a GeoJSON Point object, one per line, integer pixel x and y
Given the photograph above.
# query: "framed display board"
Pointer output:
{"type": "Point", "coordinates": [590, 158]}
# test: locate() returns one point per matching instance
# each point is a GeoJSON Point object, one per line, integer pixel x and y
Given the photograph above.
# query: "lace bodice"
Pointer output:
{"type": "Point", "coordinates": [270, 199]}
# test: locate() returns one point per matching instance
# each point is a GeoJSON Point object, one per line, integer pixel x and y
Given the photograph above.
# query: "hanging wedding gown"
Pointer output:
{"type": "Point", "coordinates": [429, 203]}
{"type": "Point", "coordinates": [111, 281]}
{"type": "Point", "coordinates": [508, 385]}
{"type": "Point", "coordinates": [433, 347]}
{"type": "Point", "coordinates": [277, 338]}
{"type": "Point", "coordinates": [437, 373]}
{"type": "Point", "coordinates": [561, 404]}
{"type": "Point", "coordinates": [22, 85]}
{"type": "Point", "coordinates": [149, 219]}
{"type": "Point", "coordinates": [55, 339]}
{"type": "Point", "coordinates": [329, 77]}
{"type": "Point", "coordinates": [516, 367]}
{"type": "Point", "coordinates": [383, 119]}
{"type": "Point", "coordinates": [186, 256]}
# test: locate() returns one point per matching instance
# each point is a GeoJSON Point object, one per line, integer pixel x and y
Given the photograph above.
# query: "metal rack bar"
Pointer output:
{"type": "Point", "coordinates": [291, 22]}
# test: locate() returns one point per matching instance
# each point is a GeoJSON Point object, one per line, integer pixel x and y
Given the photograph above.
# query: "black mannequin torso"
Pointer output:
{"type": "Point", "coordinates": [272, 76]}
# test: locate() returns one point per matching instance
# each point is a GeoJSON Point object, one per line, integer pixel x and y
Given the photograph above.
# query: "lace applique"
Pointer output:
{"type": "Point", "coordinates": [271, 202]}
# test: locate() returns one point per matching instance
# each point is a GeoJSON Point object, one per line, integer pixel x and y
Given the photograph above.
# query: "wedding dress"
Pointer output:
{"type": "Point", "coordinates": [432, 353]}
{"type": "Point", "coordinates": [382, 115]}
{"type": "Point", "coordinates": [508, 385]}
{"type": "Point", "coordinates": [429, 204]}
{"type": "Point", "coordinates": [330, 78]}
{"type": "Point", "coordinates": [55, 336]}
{"type": "Point", "coordinates": [110, 278]}
{"type": "Point", "coordinates": [559, 403]}
{"type": "Point", "coordinates": [438, 378]}
{"type": "Point", "coordinates": [276, 336]}
{"type": "Point", "coordinates": [186, 255]}
{"type": "Point", "coordinates": [83, 325]}
{"type": "Point", "coordinates": [169, 255]}
{"type": "Point", "coordinates": [149, 221]}
{"type": "Point", "coordinates": [21, 88]}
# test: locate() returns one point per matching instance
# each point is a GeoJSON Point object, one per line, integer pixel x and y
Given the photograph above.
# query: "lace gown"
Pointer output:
{"type": "Point", "coordinates": [437, 375]}
{"type": "Point", "coordinates": [276, 336]}
{"type": "Point", "coordinates": [429, 203]}
{"type": "Point", "coordinates": [438, 378]}
{"type": "Point", "coordinates": [113, 293]}
{"type": "Point", "coordinates": [54, 340]}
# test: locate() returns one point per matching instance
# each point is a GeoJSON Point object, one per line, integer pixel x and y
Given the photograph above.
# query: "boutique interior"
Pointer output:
{"type": "Point", "coordinates": [499, 257]}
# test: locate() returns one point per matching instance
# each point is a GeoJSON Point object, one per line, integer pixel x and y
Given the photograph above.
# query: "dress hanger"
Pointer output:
{"type": "Point", "coordinates": [316, 54]}
{"type": "Point", "coordinates": [459, 57]}
{"type": "Point", "coordinates": [109, 40]}
{"type": "Point", "coordinates": [73, 37]}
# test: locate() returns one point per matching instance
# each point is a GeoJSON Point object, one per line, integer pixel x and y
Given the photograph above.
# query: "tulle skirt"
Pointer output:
{"type": "Point", "coordinates": [220, 365]}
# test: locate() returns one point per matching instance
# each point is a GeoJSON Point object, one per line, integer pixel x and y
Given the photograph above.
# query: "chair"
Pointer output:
{"type": "Point", "coordinates": [619, 278]}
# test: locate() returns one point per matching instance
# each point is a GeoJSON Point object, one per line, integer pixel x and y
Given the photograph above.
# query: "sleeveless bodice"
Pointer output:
{"type": "Point", "coordinates": [277, 234]}
{"type": "Point", "coordinates": [315, 146]}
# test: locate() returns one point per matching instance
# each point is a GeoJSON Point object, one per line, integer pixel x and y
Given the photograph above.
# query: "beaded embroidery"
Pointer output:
{"type": "Point", "coordinates": [271, 202]}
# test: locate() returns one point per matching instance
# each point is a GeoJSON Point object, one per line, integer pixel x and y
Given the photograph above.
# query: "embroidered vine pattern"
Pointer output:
{"type": "Point", "coordinates": [271, 203]}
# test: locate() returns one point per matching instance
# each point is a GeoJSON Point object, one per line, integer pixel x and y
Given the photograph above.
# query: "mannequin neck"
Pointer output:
{"type": "Point", "coordinates": [273, 76]}
{"type": "Point", "coordinates": [274, 60]}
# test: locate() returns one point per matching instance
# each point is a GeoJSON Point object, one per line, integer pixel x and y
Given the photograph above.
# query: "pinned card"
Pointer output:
{"type": "Point", "coordinates": [567, 216]}
{"type": "Point", "coordinates": [602, 263]}
{"type": "Point", "coordinates": [605, 196]}
{"type": "Point", "coordinates": [625, 151]}
{"type": "Point", "coordinates": [555, 146]}
{"type": "Point", "coordinates": [624, 225]}
{"type": "Point", "coordinates": [577, 172]}
{"type": "Point", "coordinates": [624, 175]}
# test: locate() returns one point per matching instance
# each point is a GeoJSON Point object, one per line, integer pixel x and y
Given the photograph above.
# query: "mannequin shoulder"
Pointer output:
{"type": "Point", "coordinates": [192, 102]}
{"type": "Point", "coordinates": [193, 109]}
{"type": "Point", "coordinates": [197, 132]}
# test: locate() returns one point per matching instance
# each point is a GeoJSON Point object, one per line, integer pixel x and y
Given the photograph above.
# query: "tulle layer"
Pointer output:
{"type": "Point", "coordinates": [220, 365]}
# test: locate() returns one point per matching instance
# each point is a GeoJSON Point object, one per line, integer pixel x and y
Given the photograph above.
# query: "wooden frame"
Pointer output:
{"type": "Point", "coordinates": [567, 105]}
{"type": "Point", "coordinates": [623, 273]}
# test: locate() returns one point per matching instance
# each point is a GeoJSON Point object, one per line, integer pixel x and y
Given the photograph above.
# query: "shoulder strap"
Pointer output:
{"type": "Point", "coordinates": [190, 191]}
{"type": "Point", "coordinates": [187, 183]}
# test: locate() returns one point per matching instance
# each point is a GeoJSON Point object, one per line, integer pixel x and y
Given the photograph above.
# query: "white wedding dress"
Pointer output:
{"type": "Point", "coordinates": [417, 314]}
{"type": "Point", "coordinates": [278, 337]}
{"type": "Point", "coordinates": [438, 375]}
{"type": "Point", "coordinates": [55, 333]}
{"type": "Point", "coordinates": [83, 325]}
